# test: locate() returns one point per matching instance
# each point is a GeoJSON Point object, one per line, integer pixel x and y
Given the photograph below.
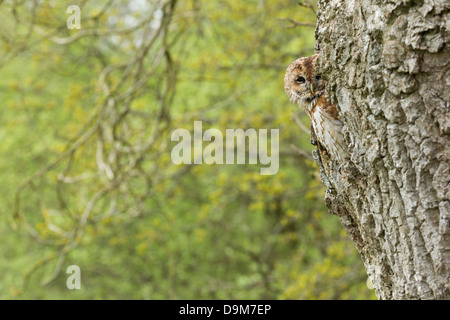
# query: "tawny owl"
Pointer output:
{"type": "Point", "coordinates": [306, 88]}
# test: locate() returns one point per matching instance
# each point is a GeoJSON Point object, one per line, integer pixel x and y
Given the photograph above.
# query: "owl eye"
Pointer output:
{"type": "Point", "coordinates": [300, 80]}
{"type": "Point", "coordinates": [318, 78]}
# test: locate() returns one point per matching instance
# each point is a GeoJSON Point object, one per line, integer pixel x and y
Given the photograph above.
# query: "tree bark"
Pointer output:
{"type": "Point", "coordinates": [387, 67]}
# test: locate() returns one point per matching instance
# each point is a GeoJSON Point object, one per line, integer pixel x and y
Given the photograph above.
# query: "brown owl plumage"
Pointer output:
{"type": "Point", "coordinates": [306, 88]}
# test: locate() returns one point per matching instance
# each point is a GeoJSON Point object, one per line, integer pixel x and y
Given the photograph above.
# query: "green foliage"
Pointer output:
{"type": "Point", "coordinates": [207, 232]}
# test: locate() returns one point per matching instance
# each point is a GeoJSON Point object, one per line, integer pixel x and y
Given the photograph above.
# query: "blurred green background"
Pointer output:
{"type": "Point", "coordinates": [91, 111]}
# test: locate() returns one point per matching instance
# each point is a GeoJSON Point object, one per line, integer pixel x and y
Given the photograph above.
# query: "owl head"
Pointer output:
{"type": "Point", "coordinates": [301, 82]}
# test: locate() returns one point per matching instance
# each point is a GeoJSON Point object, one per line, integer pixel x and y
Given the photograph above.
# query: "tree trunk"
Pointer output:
{"type": "Point", "coordinates": [387, 67]}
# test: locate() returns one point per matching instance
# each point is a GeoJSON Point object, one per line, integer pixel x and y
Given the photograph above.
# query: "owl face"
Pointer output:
{"type": "Point", "coordinates": [301, 82]}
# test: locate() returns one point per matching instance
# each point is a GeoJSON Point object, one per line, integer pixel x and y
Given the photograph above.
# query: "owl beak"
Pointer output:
{"type": "Point", "coordinates": [311, 88]}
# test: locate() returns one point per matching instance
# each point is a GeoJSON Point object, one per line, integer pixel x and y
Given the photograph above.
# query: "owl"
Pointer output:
{"type": "Point", "coordinates": [306, 88]}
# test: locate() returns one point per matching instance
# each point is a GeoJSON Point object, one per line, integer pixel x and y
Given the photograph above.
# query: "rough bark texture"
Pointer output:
{"type": "Point", "coordinates": [387, 67]}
